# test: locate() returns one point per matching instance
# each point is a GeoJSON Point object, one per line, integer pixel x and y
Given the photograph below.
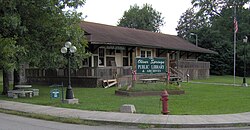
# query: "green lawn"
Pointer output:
{"type": "Point", "coordinates": [228, 79]}
{"type": "Point", "coordinates": [199, 99]}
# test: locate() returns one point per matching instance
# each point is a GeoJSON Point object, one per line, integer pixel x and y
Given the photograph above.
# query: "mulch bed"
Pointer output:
{"type": "Point", "coordinates": [147, 93]}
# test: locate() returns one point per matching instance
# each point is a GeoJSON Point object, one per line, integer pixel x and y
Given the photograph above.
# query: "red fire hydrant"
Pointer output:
{"type": "Point", "coordinates": [164, 99]}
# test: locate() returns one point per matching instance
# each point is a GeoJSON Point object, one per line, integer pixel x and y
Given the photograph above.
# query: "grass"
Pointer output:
{"type": "Point", "coordinates": [211, 99]}
{"type": "Point", "coordinates": [228, 79]}
{"type": "Point", "coordinates": [199, 99]}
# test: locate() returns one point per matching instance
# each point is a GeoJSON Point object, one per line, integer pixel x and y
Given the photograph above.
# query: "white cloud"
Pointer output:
{"type": "Point", "coordinates": [110, 11]}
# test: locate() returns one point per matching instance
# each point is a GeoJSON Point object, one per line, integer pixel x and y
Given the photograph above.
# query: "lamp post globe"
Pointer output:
{"type": "Point", "coordinates": [73, 49]}
{"type": "Point", "coordinates": [63, 50]}
{"type": "Point", "coordinates": [68, 50]}
{"type": "Point", "coordinates": [68, 44]}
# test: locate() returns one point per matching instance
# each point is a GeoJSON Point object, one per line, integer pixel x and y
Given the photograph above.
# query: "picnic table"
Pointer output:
{"type": "Point", "coordinates": [174, 79]}
{"type": "Point", "coordinates": [23, 86]}
{"type": "Point", "coordinates": [23, 91]}
{"type": "Point", "coordinates": [151, 80]}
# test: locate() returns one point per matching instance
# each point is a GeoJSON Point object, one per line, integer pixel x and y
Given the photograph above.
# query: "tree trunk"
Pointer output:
{"type": "Point", "coordinates": [5, 82]}
{"type": "Point", "coordinates": [16, 79]}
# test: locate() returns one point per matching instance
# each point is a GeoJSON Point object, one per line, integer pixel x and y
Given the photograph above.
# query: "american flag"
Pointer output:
{"type": "Point", "coordinates": [235, 25]}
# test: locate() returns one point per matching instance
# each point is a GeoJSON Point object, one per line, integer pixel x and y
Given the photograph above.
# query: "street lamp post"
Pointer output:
{"type": "Point", "coordinates": [69, 51]}
{"type": "Point", "coordinates": [196, 38]}
{"type": "Point", "coordinates": [244, 78]}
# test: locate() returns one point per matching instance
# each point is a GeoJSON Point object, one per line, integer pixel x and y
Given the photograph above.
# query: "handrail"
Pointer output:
{"type": "Point", "coordinates": [178, 72]}
{"type": "Point", "coordinates": [98, 72]}
{"type": "Point", "coordinates": [192, 64]}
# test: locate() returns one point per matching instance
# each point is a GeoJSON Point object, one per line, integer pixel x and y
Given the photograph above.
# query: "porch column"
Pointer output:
{"type": "Point", "coordinates": [133, 66]}
{"type": "Point", "coordinates": [168, 69]}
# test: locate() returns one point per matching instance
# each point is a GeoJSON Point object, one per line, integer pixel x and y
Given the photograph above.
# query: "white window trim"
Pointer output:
{"type": "Point", "coordinates": [146, 50]}
{"type": "Point", "coordinates": [104, 56]}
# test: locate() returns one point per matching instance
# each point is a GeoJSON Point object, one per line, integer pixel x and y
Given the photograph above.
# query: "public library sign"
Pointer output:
{"type": "Point", "coordinates": [150, 65]}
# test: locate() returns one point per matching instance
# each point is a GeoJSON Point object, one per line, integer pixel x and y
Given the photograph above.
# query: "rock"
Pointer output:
{"type": "Point", "coordinates": [127, 108]}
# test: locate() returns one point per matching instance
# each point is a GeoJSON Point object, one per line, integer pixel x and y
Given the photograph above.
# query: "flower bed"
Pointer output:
{"type": "Point", "coordinates": [147, 93]}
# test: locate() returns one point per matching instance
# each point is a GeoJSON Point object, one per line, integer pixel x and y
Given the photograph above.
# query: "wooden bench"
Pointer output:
{"type": "Point", "coordinates": [152, 80]}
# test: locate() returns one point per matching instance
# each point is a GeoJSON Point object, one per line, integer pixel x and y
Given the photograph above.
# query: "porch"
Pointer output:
{"type": "Point", "coordinates": [195, 69]}
{"type": "Point", "coordinates": [93, 76]}
{"type": "Point", "coordinates": [84, 77]}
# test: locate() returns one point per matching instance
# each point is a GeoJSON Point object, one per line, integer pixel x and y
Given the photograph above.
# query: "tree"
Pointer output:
{"type": "Point", "coordinates": [145, 18]}
{"type": "Point", "coordinates": [221, 40]}
{"type": "Point", "coordinates": [211, 8]}
{"type": "Point", "coordinates": [186, 23]}
{"type": "Point", "coordinates": [9, 30]}
{"type": "Point", "coordinates": [216, 31]}
{"type": "Point", "coordinates": [7, 53]}
{"type": "Point", "coordinates": [39, 29]}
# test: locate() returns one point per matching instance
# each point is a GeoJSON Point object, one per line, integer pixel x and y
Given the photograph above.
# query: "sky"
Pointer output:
{"type": "Point", "coordinates": [110, 11]}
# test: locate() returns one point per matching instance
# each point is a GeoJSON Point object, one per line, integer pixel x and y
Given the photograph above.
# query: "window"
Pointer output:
{"type": "Point", "coordinates": [125, 53]}
{"type": "Point", "coordinates": [95, 61]}
{"type": "Point", "coordinates": [110, 51]}
{"type": "Point", "coordinates": [125, 61]}
{"type": "Point", "coordinates": [125, 58]}
{"type": "Point", "coordinates": [146, 53]}
{"type": "Point", "coordinates": [149, 54]}
{"type": "Point", "coordinates": [143, 54]}
{"type": "Point", "coordinates": [85, 62]}
{"type": "Point", "coordinates": [95, 51]}
{"type": "Point", "coordinates": [110, 61]}
{"type": "Point", "coordinates": [101, 57]}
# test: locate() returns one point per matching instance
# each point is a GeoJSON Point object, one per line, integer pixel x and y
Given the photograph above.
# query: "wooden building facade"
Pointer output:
{"type": "Point", "coordinates": [114, 50]}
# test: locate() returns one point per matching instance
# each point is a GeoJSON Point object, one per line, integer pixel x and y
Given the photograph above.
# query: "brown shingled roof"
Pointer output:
{"type": "Point", "coordinates": [115, 35]}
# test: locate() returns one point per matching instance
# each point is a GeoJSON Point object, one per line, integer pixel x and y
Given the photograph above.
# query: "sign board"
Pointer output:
{"type": "Point", "coordinates": [54, 93]}
{"type": "Point", "coordinates": [150, 65]}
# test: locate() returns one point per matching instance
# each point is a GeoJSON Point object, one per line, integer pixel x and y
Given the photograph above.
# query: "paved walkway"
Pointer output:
{"type": "Point", "coordinates": [226, 120]}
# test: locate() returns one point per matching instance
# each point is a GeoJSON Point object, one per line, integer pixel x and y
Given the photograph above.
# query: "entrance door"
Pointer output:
{"type": "Point", "coordinates": [118, 58]}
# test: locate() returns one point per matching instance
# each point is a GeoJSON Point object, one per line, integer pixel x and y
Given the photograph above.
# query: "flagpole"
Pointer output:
{"type": "Point", "coordinates": [234, 42]}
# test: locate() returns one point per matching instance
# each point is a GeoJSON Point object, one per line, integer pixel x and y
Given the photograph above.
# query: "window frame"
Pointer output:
{"type": "Point", "coordinates": [146, 53]}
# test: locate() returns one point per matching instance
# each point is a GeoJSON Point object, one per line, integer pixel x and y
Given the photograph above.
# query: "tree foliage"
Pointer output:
{"type": "Point", "coordinates": [190, 22]}
{"type": "Point", "coordinates": [212, 21]}
{"type": "Point", "coordinates": [211, 8]}
{"type": "Point", "coordinates": [33, 31]}
{"type": "Point", "coordinates": [145, 18]}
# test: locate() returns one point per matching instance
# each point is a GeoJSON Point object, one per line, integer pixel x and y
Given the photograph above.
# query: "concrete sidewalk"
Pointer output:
{"type": "Point", "coordinates": [186, 121]}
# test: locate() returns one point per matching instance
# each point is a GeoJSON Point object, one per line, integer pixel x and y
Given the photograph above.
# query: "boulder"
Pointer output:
{"type": "Point", "coordinates": [127, 108]}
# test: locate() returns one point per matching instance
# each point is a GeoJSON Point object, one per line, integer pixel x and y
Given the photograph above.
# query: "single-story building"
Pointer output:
{"type": "Point", "coordinates": [114, 50]}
